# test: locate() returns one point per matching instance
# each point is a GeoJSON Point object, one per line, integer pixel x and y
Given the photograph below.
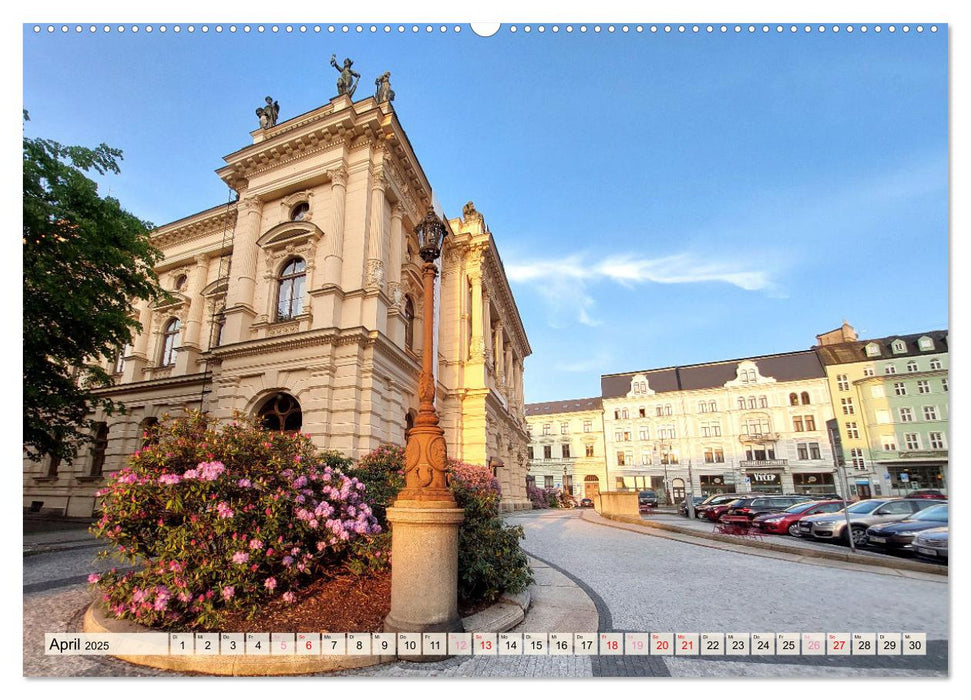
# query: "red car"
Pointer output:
{"type": "Point", "coordinates": [786, 521]}
{"type": "Point", "coordinates": [928, 493]}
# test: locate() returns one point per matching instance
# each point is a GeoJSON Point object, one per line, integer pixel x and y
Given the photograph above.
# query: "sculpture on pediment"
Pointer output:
{"type": "Point", "coordinates": [346, 83]}
{"type": "Point", "coordinates": [384, 93]}
{"type": "Point", "coordinates": [268, 114]}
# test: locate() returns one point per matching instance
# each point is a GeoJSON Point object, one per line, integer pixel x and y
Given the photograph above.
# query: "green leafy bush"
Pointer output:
{"type": "Point", "coordinates": [490, 560]}
{"type": "Point", "coordinates": [382, 472]}
{"type": "Point", "coordinates": [225, 517]}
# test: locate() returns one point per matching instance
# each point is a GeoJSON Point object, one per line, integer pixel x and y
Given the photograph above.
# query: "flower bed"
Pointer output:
{"type": "Point", "coordinates": [226, 518]}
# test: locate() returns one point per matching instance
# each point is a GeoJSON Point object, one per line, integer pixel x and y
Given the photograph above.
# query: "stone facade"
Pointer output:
{"type": "Point", "coordinates": [567, 446]}
{"type": "Point", "coordinates": [304, 299]}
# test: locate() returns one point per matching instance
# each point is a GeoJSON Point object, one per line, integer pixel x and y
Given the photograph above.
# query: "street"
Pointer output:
{"type": "Point", "coordinates": [639, 583]}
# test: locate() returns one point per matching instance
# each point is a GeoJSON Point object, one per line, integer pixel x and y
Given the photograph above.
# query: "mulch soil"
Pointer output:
{"type": "Point", "coordinates": [344, 603]}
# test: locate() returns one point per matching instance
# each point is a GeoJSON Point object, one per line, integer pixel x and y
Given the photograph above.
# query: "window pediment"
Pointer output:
{"type": "Point", "coordinates": [290, 233]}
{"type": "Point", "coordinates": [177, 301]}
{"type": "Point", "coordinates": [747, 373]}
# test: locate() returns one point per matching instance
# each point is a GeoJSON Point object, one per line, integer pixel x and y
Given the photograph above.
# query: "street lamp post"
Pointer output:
{"type": "Point", "coordinates": [424, 518]}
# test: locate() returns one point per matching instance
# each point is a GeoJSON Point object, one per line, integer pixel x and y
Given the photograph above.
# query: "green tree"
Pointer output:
{"type": "Point", "coordinates": [84, 260]}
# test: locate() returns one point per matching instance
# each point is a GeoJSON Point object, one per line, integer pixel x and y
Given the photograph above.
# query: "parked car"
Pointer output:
{"type": "Point", "coordinates": [715, 512]}
{"type": "Point", "coordinates": [932, 543]}
{"type": "Point", "coordinates": [716, 501]}
{"type": "Point", "coordinates": [647, 499]}
{"type": "Point", "coordinates": [586, 503]}
{"type": "Point", "coordinates": [824, 496]}
{"type": "Point", "coordinates": [863, 514]}
{"type": "Point", "coordinates": [750, 507]}
{"type": "Point", "coordinates": [900, 535]}
{"type": "Point", "coordinates": [683, 506]}
{"type": "Point", "coordinates": [928, 493]}
{"type": "Point", "coordinates": [787, 521]}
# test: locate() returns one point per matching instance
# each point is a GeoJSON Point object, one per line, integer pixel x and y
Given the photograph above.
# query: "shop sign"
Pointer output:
{"type": "Point", "coordinates": [764, 478]}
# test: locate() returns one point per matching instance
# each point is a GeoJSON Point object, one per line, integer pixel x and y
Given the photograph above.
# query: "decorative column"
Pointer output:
{"type": "Point", "coordinates": [374, 274]}
{"type": "Point", "coordinates": [425, 520]}
{"type": "Point", "coordinates": [326, 297]}
{"type": "Point", "coordinates": [397, 245]}
{"type": "Point", "coordinates": [136, 361]}
{"type": "Point", "coordinates": [242, 282]}
{"type": "Point", "coordinates": [477, 346]}
{"type": "Point", "coordinates": [197, 282]}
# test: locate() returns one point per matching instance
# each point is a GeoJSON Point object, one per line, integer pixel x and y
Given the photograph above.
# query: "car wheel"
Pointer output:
{"type": "Point", "coordinates": [858, 534]}
{"type": "Point", "coordinates": [794, 530]}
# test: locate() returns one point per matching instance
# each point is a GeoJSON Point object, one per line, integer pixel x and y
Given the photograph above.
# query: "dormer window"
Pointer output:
{"type": "Point", "coordinates": [299, 212]}
{"type": "Point", "coordinates": [872, 350]}
{"type": "Point", "coordinates": [899, 347]}
{"type": "Point", "coordinates": [925, 343]}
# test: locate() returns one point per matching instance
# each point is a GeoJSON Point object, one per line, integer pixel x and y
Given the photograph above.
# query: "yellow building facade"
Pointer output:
{"type": "Point", "coordinates": [566, 446]}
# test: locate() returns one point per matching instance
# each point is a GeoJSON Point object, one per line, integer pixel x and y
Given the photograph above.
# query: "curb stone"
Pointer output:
{"type": "Point", "coordinates": [500, 617]}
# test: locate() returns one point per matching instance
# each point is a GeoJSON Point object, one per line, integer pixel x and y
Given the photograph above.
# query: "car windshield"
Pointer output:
{"type": "Point", "coordinates": [936, 513]}
{"type": "Point", "coordinates": [864, 506]}
{"type": "Point", "coordinates": [800, 507]}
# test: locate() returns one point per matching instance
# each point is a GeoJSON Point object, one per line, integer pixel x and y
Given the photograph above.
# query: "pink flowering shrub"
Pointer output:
{"type": "Point", "coordinates": [222, 518]}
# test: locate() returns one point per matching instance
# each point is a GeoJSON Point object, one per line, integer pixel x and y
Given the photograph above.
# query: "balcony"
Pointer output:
{"type": "Point", "coordinates": [752, 438]}
{"type": "Point", "coordinates": [749, 463]}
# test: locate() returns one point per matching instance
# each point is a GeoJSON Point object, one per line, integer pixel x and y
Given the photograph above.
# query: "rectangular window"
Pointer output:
{"type": "Point", "coordinates": [587, 426]}
{"type": "Point", "coordinates": [868, 371]}
{"type": "Point", "coordinates": [763, 402]}
{"type": "Point", "coordinates": [936, 440]}
{"type": "Point", "coordinates": [713, 406]}
{"type": "Point", "coordinates": [626, 436]}
{"type": "Point", "coordinates": [667, 409]}
{"type": "Point", "coordinates": [856, 457]}
{"type": "Point", "coordinates": [889, 443]}
{"type": "Point", "coordinates": [618, 436]}
{"type": "Point", "coordinates": [842, 382]}
{"type": "Point", "coordinates": [564, 428]}
{"type": "Point", "coordinates": [890, 369]}
{"type": "Point", "coordinates": [923, 386]}
{"type": "Point", "coordinates": [589, 450]}
{"type": "Point", "coordinates": [930, 412]}
{"type": "Point", "coordinates": [912, 366]}
{"type": "Point", "coordinates": [642, 412]}
{"type": "Point", "coordinates": [705, 430]}
{"type": "Point", "coordinates": [547, 452]}
{"type": "Point", "coordinates": [546, 428]}
{"type": "Point", "coordinates": [906, 414]}
{"type": "Point", "coordinates": [852, 431]}
{"type": "Point", "coordinates": [797, 423]}
{"type": "Point", "coordinates": [703, 406]}
{"type": "Point", "coordinates": [944, 384]}
{"type": "Point", "coordinates": [912, 441]}
{"type": "Point", "coordinates": [814, 450]}
{"type": "Point", "coordinates": [802, 450]}
{"type": "Point", "coordinates": [847, 406]}
{"type": "Point", "coordinates": [642, 434]}
{"type": "Point", "coordinates": [660, 410]}
{"type": "Point", "coordinates": [719, 455]}
{"type": "Point", "coordinates": [548, 481]}
{"type": "Point", "coordinates": [899, 388]}
{"type": "Point", "coordinates": [616, 415]}
{"type": "Point", "coordinates": [709, 455]}
{"type": "Point", "coordinates": [566, 451]}
{"type": "Point", "coordinates": [810, 423]}
{"type": "Point", "coordinates": [620, 459]}
{"type": "Point", "coordinates": [629, 457]}
{"type": "Point", "coordinates": [935, 363]}
{"type": "Point", "coordinates": [529, 451]}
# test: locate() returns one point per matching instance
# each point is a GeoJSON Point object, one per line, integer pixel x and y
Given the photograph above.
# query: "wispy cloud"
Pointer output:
{"type": "Point", "coordinates": [564, 283]}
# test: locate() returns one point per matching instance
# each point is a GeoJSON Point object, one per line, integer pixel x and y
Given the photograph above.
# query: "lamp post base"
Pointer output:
{"type": "Point", "coordinates": [424, 569]}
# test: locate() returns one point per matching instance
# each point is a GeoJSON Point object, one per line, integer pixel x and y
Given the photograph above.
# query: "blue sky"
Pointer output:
{"type": "Point", "coordinates": [657, 198]}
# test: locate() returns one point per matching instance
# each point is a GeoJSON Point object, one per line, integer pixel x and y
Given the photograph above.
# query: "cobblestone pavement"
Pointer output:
{"type": "Point", "coordinates": [652, 584]}
{"type": "Point", "coordinates": [639, 583]}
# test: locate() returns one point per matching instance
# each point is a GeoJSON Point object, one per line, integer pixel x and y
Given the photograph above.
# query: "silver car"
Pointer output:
{"type": "Point", "coordinates": [863, 514]}
{"type": "Point", "coordinates": [932, 543]}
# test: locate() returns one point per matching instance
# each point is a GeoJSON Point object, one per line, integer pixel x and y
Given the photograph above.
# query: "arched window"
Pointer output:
{"type": "Point", "coordinates": [409, 324]}
{"type": "Point", "coordinates": [805, 398]}
{"type": "Point", "coordinates": [98, 449]}
{"type": "Point", "coordinates": [180, 283]}
{"type": "Point", "coordinates": [763, 402]}
{"type": "Point", "coordinates": [170, 338]}
{"type": "Point", "coordinates": [120, 359]}
{"type": "Point", "coordinates": [793, 399]}
{"type": "Point", "coordinates": [290, 296]}
{"type": "Point", "coordinates": [281, 412]}
{"type": "Point", "coordinates": [148, 430]}
{"type": "Point", "coordinates": [299, 212]}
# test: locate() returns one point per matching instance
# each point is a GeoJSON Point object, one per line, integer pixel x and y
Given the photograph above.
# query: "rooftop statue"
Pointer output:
{"type": "Point", "coordinates": [268, 114]}
{"type": "Point", "coordinates": [384, 93]}
{"type": "Point", "coordinates": [346, 84]}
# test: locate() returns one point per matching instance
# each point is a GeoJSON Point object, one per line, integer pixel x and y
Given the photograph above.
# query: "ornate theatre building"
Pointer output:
{"type": "Point", "coordinates": [301, 302]}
